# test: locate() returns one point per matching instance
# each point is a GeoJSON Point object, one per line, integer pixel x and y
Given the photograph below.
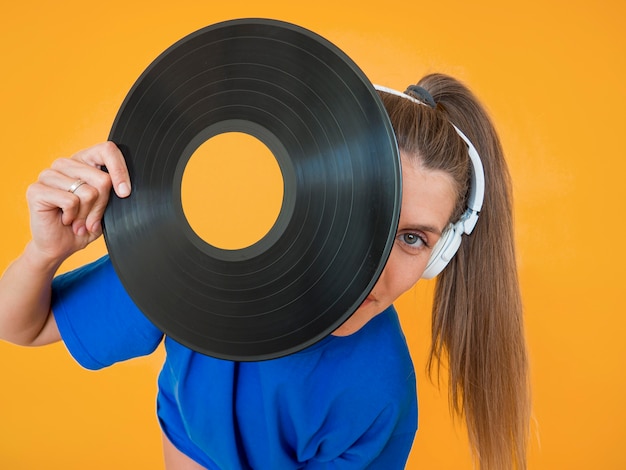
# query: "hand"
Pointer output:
{"type": "Point", "coordinates": [68, 200]}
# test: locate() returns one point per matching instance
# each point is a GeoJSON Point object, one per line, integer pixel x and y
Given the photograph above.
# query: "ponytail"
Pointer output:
{"type": "Point", "coordinates": [477, 324]}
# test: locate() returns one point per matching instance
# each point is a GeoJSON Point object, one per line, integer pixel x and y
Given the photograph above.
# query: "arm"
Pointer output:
{"type": "Point", "coordinates": [62, 222]}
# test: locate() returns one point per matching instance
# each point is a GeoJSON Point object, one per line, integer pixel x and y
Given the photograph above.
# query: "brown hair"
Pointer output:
{"type": "Point", "coordinates": [477, 324]}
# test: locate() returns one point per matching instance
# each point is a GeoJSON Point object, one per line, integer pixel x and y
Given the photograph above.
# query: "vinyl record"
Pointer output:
{"type": "Point", "coordinates": [323, 121]}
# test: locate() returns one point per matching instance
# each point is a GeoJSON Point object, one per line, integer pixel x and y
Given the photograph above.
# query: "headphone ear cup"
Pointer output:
{"type": "Point", "coordinates": [443, 251]}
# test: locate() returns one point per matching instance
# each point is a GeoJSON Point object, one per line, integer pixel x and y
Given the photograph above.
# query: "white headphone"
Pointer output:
{"type": "Point", "coordinates": [447, 246]}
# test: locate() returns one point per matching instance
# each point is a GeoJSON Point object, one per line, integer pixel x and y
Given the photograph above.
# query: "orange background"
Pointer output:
{"type": "Point", "coordinates": [552, 75]}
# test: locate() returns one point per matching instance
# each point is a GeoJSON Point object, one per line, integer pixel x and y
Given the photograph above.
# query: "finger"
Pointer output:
{"type": "Point", "coordinates": [81, 168]}
{"type": "Point", "coordinates": [82, 203]}
{"type": "Point", "coordinates": [52, 204]}
{"type": "Point", "coordinates": [108, 155]}
{"type": "Point", "coordinates": [53, 215]}
{"type": "Point", "coordinates": [89, 211]}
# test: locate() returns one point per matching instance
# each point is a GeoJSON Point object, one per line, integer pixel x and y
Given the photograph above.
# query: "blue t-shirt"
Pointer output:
{"type": "Point", "coordinates": [344, 403]}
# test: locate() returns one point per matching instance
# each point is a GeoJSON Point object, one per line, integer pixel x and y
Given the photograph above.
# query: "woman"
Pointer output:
{"type": "Point", "coordinates": [348, 401]}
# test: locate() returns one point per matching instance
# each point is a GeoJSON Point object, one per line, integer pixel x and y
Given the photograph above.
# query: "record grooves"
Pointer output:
{"type": "Point", "coordinates": [321, 118]}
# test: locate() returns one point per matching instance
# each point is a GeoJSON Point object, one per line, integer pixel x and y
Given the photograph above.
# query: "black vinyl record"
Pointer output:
{"type": "Point", "coordinates": [323, 121]}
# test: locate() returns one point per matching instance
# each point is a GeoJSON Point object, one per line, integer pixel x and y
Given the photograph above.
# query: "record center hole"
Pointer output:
{"type": "Point", "coordinates": [232, 190]}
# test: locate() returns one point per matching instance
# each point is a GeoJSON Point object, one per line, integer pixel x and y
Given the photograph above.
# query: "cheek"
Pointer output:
{"type": "Point", "coordinates": [402, 271]}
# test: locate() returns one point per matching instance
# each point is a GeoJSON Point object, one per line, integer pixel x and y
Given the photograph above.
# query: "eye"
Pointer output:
{"type": "Point", "coordinates": [412, 240]}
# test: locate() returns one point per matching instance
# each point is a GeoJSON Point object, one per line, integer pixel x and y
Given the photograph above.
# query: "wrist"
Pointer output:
{"type": "Point", "coordinates": [41, 261]}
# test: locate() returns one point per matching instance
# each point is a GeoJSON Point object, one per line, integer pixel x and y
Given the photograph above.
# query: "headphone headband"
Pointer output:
{"type": "Point", "coordinates": [450, 241]}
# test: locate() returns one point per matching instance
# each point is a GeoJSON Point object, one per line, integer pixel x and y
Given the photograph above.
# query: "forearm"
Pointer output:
{"type": "Point", "coordinates": [25, 294]}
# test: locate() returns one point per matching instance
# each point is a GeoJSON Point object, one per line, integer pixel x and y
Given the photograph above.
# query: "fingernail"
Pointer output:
{"type": "Point", "coordinates": [82, 230]}
{"type": "Point", "coordinates": [95, 228]}
{"type": "Point", "coordinates": [123, 189]}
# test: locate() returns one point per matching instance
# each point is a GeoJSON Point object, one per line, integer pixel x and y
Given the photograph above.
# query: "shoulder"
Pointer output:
{"type": "Point", "coordinates": [378, 349]}
{"type": "Point", "coordinates": [373, 364]}
{"type": "Point", "coordinates": [359, 389]}
{"type": "Point", "coordinates": [97, 320]}
{"type": "Point", "coordinates": [87, 279]}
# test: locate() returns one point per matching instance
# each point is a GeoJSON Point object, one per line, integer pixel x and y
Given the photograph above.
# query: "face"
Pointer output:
{"type": "Point", "coordinates": [428, 199]}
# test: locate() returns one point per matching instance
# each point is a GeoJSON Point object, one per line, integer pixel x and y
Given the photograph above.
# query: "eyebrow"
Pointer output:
{"type": "Point", "coordinates": [424, 228]}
